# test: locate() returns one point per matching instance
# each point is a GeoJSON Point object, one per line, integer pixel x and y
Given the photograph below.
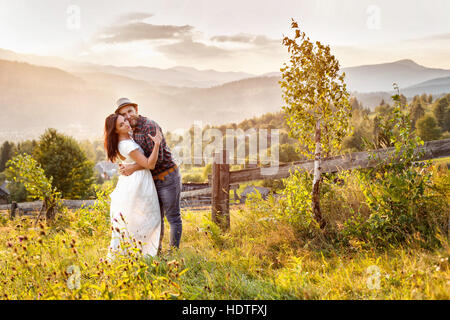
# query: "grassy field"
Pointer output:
{"type": "Point", "coordinates": [259, 258]}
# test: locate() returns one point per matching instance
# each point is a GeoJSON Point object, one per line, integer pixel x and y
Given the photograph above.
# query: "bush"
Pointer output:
{"type": "Point", "coordinates": [192, 177]}
{"type": "Point", "coordinates": [62, 159]}
{"type": "Point", "coordinates": [401, 194]}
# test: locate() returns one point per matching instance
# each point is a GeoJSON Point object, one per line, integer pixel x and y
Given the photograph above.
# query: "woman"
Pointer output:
{"type": "Point", "coordinates": [135, 213]}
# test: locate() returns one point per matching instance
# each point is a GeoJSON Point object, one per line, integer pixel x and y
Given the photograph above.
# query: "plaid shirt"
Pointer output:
{"type": "Point", "coordinates": [144, 127]}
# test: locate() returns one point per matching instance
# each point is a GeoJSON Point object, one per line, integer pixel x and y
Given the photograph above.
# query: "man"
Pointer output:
{"type": "Point", "coordinates": [166, 174]}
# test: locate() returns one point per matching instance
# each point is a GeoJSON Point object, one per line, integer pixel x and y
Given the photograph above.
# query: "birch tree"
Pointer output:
{"type": "Point", "coordinates": [316, 103]}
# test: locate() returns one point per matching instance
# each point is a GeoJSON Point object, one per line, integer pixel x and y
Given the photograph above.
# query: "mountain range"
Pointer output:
{"type": "Point", "coordinates": [39, 92]}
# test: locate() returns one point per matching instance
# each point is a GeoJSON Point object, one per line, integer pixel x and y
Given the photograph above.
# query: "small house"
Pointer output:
{"type": "Point", "coordinates": [4, 194]}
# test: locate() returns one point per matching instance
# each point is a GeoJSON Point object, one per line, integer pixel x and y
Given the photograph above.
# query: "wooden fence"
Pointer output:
{"type": "Point", "coordinates": [222, 177]}
{"type": "Point", "coordinates": [223, 180]}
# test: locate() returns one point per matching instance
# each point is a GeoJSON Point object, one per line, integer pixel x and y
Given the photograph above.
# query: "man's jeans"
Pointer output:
{"type": "Point", "coordinates": [169, 191]}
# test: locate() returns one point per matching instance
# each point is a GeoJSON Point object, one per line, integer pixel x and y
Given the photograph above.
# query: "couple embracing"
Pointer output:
{"type": "Point", "coordinates": [149, 184]}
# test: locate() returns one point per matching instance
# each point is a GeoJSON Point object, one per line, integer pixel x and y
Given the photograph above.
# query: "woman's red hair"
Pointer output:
{"type": "Point", "coordinates": [111, 138]}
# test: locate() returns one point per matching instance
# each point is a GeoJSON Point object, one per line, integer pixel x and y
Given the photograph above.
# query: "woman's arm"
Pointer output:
{"type": "Point", "coordinates": [150, 162]}
{"type": "Point", "coordinates": [128, 169]}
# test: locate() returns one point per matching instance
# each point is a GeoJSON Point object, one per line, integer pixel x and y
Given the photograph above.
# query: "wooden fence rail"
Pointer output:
{"type": "Point", "coordinates": [222, 179]}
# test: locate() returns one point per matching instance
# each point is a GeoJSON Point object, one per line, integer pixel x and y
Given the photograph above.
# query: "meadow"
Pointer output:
{"type": "Point", "coordinates": [263, 256]}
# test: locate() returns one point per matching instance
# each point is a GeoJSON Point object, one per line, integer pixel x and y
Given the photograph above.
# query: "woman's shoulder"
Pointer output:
{"type": "Point", "coordinates": [127, 145]}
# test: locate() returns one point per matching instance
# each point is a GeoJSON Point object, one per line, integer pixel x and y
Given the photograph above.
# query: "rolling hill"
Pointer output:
{"type": "Point", "coordinates": [380, 77]}
{"type": "Point", "coordinates": [35, 97]}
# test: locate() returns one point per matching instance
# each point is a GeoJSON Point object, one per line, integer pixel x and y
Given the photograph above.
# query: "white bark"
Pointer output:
{"type": "Point", "coordinates": [317, 155]}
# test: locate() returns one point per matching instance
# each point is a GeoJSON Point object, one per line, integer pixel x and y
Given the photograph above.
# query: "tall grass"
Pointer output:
{"type": "Point", "coordinates": [265, 255]}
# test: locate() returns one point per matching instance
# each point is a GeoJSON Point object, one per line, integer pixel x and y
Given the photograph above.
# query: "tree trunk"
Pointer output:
{"type": "Point", "coordinates": [317, 178]}
{"type": "Point", "coordinates": [50, 210]}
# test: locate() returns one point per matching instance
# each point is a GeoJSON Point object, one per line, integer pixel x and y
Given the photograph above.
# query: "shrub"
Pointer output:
{"type": "Point", "coordinates": [400, 192]}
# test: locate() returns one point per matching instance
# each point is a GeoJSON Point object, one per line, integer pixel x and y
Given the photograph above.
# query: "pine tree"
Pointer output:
{"type": "Point", "coordinates": [6, 153]}
{"type": "Point", "coordinates": [441, 112]}
{"type": "Point", "coordinates": [428, 129]}
{"type": "Point", "coordinates": [417, 112]}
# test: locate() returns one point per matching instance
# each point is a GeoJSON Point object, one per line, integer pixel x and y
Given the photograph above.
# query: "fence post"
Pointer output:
{"type": "Point", "coordinates": [220, 185]}
{"type": "Point", "coordinates": [12, 211]}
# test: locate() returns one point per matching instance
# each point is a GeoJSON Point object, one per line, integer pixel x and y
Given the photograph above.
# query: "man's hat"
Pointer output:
{"type": "Point", "coordinates": [123, 102]}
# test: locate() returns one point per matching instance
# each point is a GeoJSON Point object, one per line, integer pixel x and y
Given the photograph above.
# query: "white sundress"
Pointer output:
{"type": "Point", "coordinates": [135, 197]}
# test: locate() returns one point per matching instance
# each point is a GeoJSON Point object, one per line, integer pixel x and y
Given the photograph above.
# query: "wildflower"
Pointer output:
{"type": "Point", "coordinates": [42, 233]}
{"type": "Point", "coordinates": [438, 268]}
{"type": "Point", "coordinates": [75, 251]}
{"type": "Point", "coordinates": [9, 244]}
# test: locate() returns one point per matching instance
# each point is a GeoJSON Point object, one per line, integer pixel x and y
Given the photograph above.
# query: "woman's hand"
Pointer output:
{"type": "Point", "coordinates": [157, 138]}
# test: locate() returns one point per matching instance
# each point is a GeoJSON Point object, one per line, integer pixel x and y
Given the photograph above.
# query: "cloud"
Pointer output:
{"type": "Point", "coordinates": [257, 40]}
{"type": "Point", "coordinates": [138, 31]}
{"type": "Point", "coordinates": [188, 49]}
{"type": "Point", "coordinates": [133, 17]}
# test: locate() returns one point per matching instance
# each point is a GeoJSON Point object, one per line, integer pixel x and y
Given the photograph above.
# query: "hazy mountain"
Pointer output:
{"type": "Point", "coordinates": [434, 86]}
{"type": "Point", "coordinates": [231, 102]}
{"type": "Point", "coordinates": [380, 77]}
{"type": "Point", "coordinates": [47, 61]}
{"type": "Point", "coordinates": [34, 97]}
{"type": "Point", "coordinates": [178, 76]}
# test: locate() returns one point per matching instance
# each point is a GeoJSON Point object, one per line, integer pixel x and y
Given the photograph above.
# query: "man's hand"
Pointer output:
{"type": "Point", "coordinates": [127, 169]}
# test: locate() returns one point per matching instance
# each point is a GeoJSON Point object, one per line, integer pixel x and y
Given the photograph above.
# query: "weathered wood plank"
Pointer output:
{"type": "Point", "coordinates": [225, 192]}
{"type": "Point", "coordinates": [196, 193]}
{"type": "Point", "coordinates": [215, 186]}
{"type": "Point", "coordinates": [357, 160]}
{"type": "Point", "coordinates": [36, 205]}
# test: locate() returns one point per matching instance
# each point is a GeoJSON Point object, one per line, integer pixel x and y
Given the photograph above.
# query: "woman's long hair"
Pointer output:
{"type": "Point", "coordinates": [111, 137]}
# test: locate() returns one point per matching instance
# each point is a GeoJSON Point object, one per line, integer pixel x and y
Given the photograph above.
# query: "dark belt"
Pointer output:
{"type": "Point", "coordinates": [160, 176]}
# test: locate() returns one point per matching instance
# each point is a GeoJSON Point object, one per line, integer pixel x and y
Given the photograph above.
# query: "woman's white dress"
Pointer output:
{"type": "Point", "coordinates": [136, 200]}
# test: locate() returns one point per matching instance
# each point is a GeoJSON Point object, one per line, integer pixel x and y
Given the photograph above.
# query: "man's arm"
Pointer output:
{"type": "Point", "coordinates": [151, 128]}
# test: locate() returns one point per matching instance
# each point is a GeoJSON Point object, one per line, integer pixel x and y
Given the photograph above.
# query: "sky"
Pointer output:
{"type": "Point", "coordinates": [230, 35]}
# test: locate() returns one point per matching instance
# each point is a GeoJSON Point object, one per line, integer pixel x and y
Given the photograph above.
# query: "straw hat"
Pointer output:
{"type": "Point", "coordinates": [123, 102]}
